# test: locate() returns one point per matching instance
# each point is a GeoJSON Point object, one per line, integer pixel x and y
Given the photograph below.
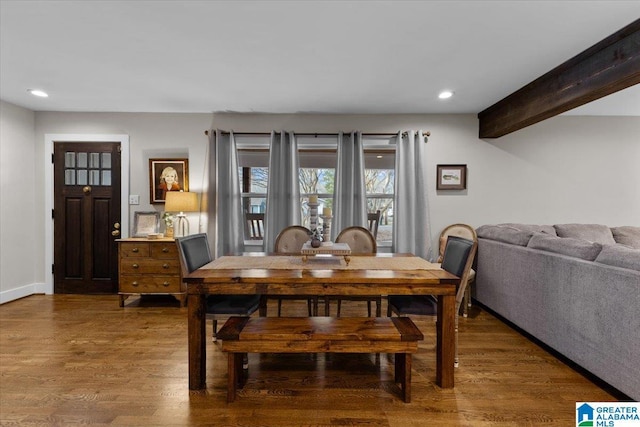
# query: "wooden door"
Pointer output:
{"type": "Point", "coordinates": [86, 216]}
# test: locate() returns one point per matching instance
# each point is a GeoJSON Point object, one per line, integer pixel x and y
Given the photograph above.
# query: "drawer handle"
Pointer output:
{"type": "Point", "coordinates": [134, 283]}
{"type": "Point", "coordinates": [135, 250]}
{"type": "Point", "coordinates": [165, 265]}
{"type": "Point", "coordinates": [165, 284]}
{"type": "Point", "coordinates": [135, 266]}
{"type": "Point", "coordinates": [165, 250]}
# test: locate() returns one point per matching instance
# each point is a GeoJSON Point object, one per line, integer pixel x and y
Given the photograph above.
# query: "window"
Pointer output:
{"type": "Point", "coordinates": [317, 173]}
{"type": "Point", "coordinates": [380, 188]}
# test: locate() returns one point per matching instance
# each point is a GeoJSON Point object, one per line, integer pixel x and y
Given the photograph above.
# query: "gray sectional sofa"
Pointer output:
{"type": "Point", "coordinates": [575, 287]}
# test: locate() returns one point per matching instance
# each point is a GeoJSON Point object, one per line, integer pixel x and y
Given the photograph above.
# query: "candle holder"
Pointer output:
{"type": "Point", "coordinates": [313, 216]}
{"type": "Point", "coordinates": [326, 229]}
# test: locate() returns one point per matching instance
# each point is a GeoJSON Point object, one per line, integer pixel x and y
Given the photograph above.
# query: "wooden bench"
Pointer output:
{"type": "Point", "coordinates": [242, 335]}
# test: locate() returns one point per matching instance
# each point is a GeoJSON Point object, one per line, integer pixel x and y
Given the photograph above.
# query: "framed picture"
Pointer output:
{"type": "Point", "coordinates": [451, 177]}
{"type": "Point", "coordinates": [167, 175]}
{"type": "Point", "coordinates": [145, 223]}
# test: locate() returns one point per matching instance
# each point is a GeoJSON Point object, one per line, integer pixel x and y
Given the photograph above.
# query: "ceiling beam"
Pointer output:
{"type": "Point", "coordinates": [608, 66]}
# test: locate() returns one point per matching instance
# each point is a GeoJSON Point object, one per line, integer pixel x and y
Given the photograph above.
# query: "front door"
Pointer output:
{"type": "Point", "coordinates": [86, 216]}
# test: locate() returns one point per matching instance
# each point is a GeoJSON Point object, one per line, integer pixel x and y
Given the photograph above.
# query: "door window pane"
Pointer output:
{"type": "Point", "coordinates": [94, 177]}
{"type": "Point", "coordinates": [94, 160]}
{"type": "Point", "coordinates": [106, 177]}
{"type": "Point", "coordinates": [69, 177]}
{"type": "Point", "coordinates": [82, 160]}
{"type": "Point", "coordinates": [106, 160]}
{"type": "Point", "coordinates": [69, 159]}
{"type": "Point", "coordinates": [82, 177]}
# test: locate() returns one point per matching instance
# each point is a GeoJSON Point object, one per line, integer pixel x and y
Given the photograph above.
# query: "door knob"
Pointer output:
{"type": "Point", "coordinates": [116, 226]}
{"type": "Point", "coordinates": [115, 233]}
{"type": "Point", "coordinates": [86, 189]}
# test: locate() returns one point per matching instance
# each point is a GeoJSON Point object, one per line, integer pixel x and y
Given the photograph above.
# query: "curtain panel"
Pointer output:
{"type": "Point", "coordinates": [350, 198]}
{"type": "Point", "coordinates": [283, 187]}
{"type": "Point", "coordinates": [411, 209]}
{"type": "Point", "coordinates": [224, 204]}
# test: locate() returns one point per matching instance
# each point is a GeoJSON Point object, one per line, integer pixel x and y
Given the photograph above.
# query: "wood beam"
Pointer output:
{"type": "Point", "coordinates": [608, 66]}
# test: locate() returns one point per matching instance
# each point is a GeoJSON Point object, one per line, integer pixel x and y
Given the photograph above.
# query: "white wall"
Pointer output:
{"type": "Point", "coordinates": [565, 169]}
{"type": "Point", "coordinates": [20, 243]}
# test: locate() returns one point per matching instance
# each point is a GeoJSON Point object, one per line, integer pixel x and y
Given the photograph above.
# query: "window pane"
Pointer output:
{"type": "Point", "coordinates": [70, 159]}
{"type": "Point", "coordinates": [70, 177]}
{"type": "Point", "coordinates": [106, 160]}
{"type": "Point", "coordinates": [106, 178]}
{"type": "Point", "coordinates": [94, 177]}
{"type": "Point", "coordinates": [94, 160]}
{"type": "Point", "coordinates": [82, 160]}
{"type": "Point", "coordinates": [82, 177]}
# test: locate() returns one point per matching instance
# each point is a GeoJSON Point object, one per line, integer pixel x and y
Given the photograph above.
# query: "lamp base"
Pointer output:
{"type": "Point", "coordinates": [181, 228]}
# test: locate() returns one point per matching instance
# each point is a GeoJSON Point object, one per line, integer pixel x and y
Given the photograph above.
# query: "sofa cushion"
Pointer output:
{"type": "Point", "coordinates": [547, 229]}
{"type": "Point", "coordinates": [627, 235]}
{"type": "Point", "coordinates": [504, 234]}
{"type": "Point", "coordinates": [576, 248]}
{"type": "Point", "coordinates": [597, 233]}
{"type": "Point", "coordinates": [620, 256]}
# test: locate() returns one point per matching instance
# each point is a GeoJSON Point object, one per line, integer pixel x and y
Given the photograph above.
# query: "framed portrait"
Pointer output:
{"type": "Point", "coordinates": [145, 223]}
{"type": "Point", "coordinates": [167, 175]}
{"type": "Point", "coordinates": [451, 177]}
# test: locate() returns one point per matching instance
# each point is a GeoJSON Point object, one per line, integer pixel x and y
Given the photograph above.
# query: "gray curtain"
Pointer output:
{"type": "Point", "coordinates": [349, 200]}
{"type": "Point", "coordinates": [224, 207]}
{"type": "Point", "coordinates": [411, 210]}
{"type": "Point", "coordinates": [283, 188]}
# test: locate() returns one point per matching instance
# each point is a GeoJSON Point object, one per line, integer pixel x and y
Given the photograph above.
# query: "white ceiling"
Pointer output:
{"type": "Point", "coordinates": [295, 56]}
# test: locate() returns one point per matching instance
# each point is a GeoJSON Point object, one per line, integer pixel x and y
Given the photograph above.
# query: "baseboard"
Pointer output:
{"type": "Point", "coordinates": [21, 292]}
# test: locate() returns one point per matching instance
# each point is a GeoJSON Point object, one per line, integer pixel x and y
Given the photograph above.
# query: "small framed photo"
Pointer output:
{"type": "Point", "coordinates": [451, 177]}
{"type": "Point", "coordinates": [145, 223]}
{"type": "Point", "coordinates": [167, 175]}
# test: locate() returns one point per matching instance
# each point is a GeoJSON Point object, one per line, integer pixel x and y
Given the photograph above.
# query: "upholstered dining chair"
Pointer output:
{"type": "Point", "coordinates": [361, 242]}
{"type": "Point", "coordinates": [194, 253]}
{"type": "Point", "coordinates": [290, 241]}
{"type": "Point", "coordinates": [466, 232]}
{"type": "Point", "coordinates": [458, 257]}
{"type": "Point", "coordinates": [373, 219]}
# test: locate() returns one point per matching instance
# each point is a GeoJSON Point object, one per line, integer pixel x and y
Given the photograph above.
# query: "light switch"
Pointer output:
{"type": "Point", "coordinates": [134, 199]}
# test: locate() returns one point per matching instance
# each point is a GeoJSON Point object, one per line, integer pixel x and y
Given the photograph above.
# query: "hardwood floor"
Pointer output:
{"type": "Point", "coordinates": [76, 359]}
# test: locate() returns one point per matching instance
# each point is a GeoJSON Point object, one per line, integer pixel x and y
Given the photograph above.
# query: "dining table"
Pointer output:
{"type": "Point", "coordinates": [270, 274]}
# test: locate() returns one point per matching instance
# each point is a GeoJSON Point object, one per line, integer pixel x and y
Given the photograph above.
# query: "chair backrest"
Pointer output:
{"type": "Point", "coordinates": [194, 252]}
{"type": "Point", "coordinates": [458, 257]}
{"type": "Point", "coordinates": [373, 218]}
{"type": "Point", "coordinates": [459, 230]}
{"type": "Point", "coordinates": [359, 239]}
{"type": "Point", "coordinates": [255, 225]}
{"type": "Point", "coordinates": [291, 239]}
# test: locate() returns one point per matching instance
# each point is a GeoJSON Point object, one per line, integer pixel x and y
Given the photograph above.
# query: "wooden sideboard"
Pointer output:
{"type": "Point", "coordinates": [149, 266]}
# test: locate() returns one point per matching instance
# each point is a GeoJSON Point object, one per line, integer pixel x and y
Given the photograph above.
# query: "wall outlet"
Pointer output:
{"type": "Point", "coordinates": [134, 199]}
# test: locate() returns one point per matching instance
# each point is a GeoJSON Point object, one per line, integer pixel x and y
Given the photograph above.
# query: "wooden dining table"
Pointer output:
{"type": "Point", "coordinates": [264, 274]}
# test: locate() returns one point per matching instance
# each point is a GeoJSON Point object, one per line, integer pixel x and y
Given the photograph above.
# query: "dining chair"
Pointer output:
{"type": "Point", "coordinates": [373, 219]}
{"type": "Point", "coordinates": [290, 241]}
{"type": "Point", "coordinates": [458, 257]}
{"type": "Point", "coordinates": [255, 225]}
{"type": "Point", "coordinates": [194, 253]}
{"type": "Point", "coordinates": [466, 232]}
{"type": "Point", "coordinates": [361, 242]}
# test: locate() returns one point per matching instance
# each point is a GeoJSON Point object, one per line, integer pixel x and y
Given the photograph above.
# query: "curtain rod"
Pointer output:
{"type": "Point", "coordinates": [317, 134]}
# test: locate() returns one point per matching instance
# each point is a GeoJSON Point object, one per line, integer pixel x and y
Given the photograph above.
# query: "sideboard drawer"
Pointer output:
{"type": "Point", "coordinates": [149, 284]}
{"type": "Point", "coordinates": [134, 250]}
{"type": "Point", "coordinates": [150, 266]}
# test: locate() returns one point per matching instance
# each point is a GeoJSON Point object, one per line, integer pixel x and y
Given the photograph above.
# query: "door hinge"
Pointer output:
{"type": "Point", "coordinates": [52, 158]}
{"type": "Point", "coordinates": [119, 148]}
{"type": "Point", "coordinates": [53, 214]}
{"type": "Point", "coordinates": [53, 269]}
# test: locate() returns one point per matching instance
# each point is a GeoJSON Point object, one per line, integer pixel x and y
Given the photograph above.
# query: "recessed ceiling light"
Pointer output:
{"type": "Point", "coordinates": [38, 92]}
{"type": "Point", "coordinates": [445, 94]}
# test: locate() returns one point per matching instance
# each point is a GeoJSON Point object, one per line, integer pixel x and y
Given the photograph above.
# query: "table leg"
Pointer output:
{"type": "Point", "coordinates": [445, 351]}
{"type": "Point", "coordinates": [196, 336]}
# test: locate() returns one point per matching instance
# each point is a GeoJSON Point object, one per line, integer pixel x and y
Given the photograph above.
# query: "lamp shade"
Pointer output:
{"type": "Point", "coordinates": [181, 201]}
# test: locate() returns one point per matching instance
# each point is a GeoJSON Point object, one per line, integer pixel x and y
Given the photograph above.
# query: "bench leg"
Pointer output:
{"type": "Point", "coordinates": [232, 377]}
{"type": "Point", "coordinates": [403, 374]}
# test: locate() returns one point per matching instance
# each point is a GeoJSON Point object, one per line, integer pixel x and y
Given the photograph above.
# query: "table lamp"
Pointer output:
{"type": "Point", "coordinates": [181, 201]}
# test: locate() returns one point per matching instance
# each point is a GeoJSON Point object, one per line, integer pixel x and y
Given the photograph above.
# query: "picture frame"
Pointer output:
{"type": "Point", "coordinates": [167, 175]}
{"type": "Point", "coordinates": [451, 177]}
{"type": "Point", "coordinates": [145, 223]}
